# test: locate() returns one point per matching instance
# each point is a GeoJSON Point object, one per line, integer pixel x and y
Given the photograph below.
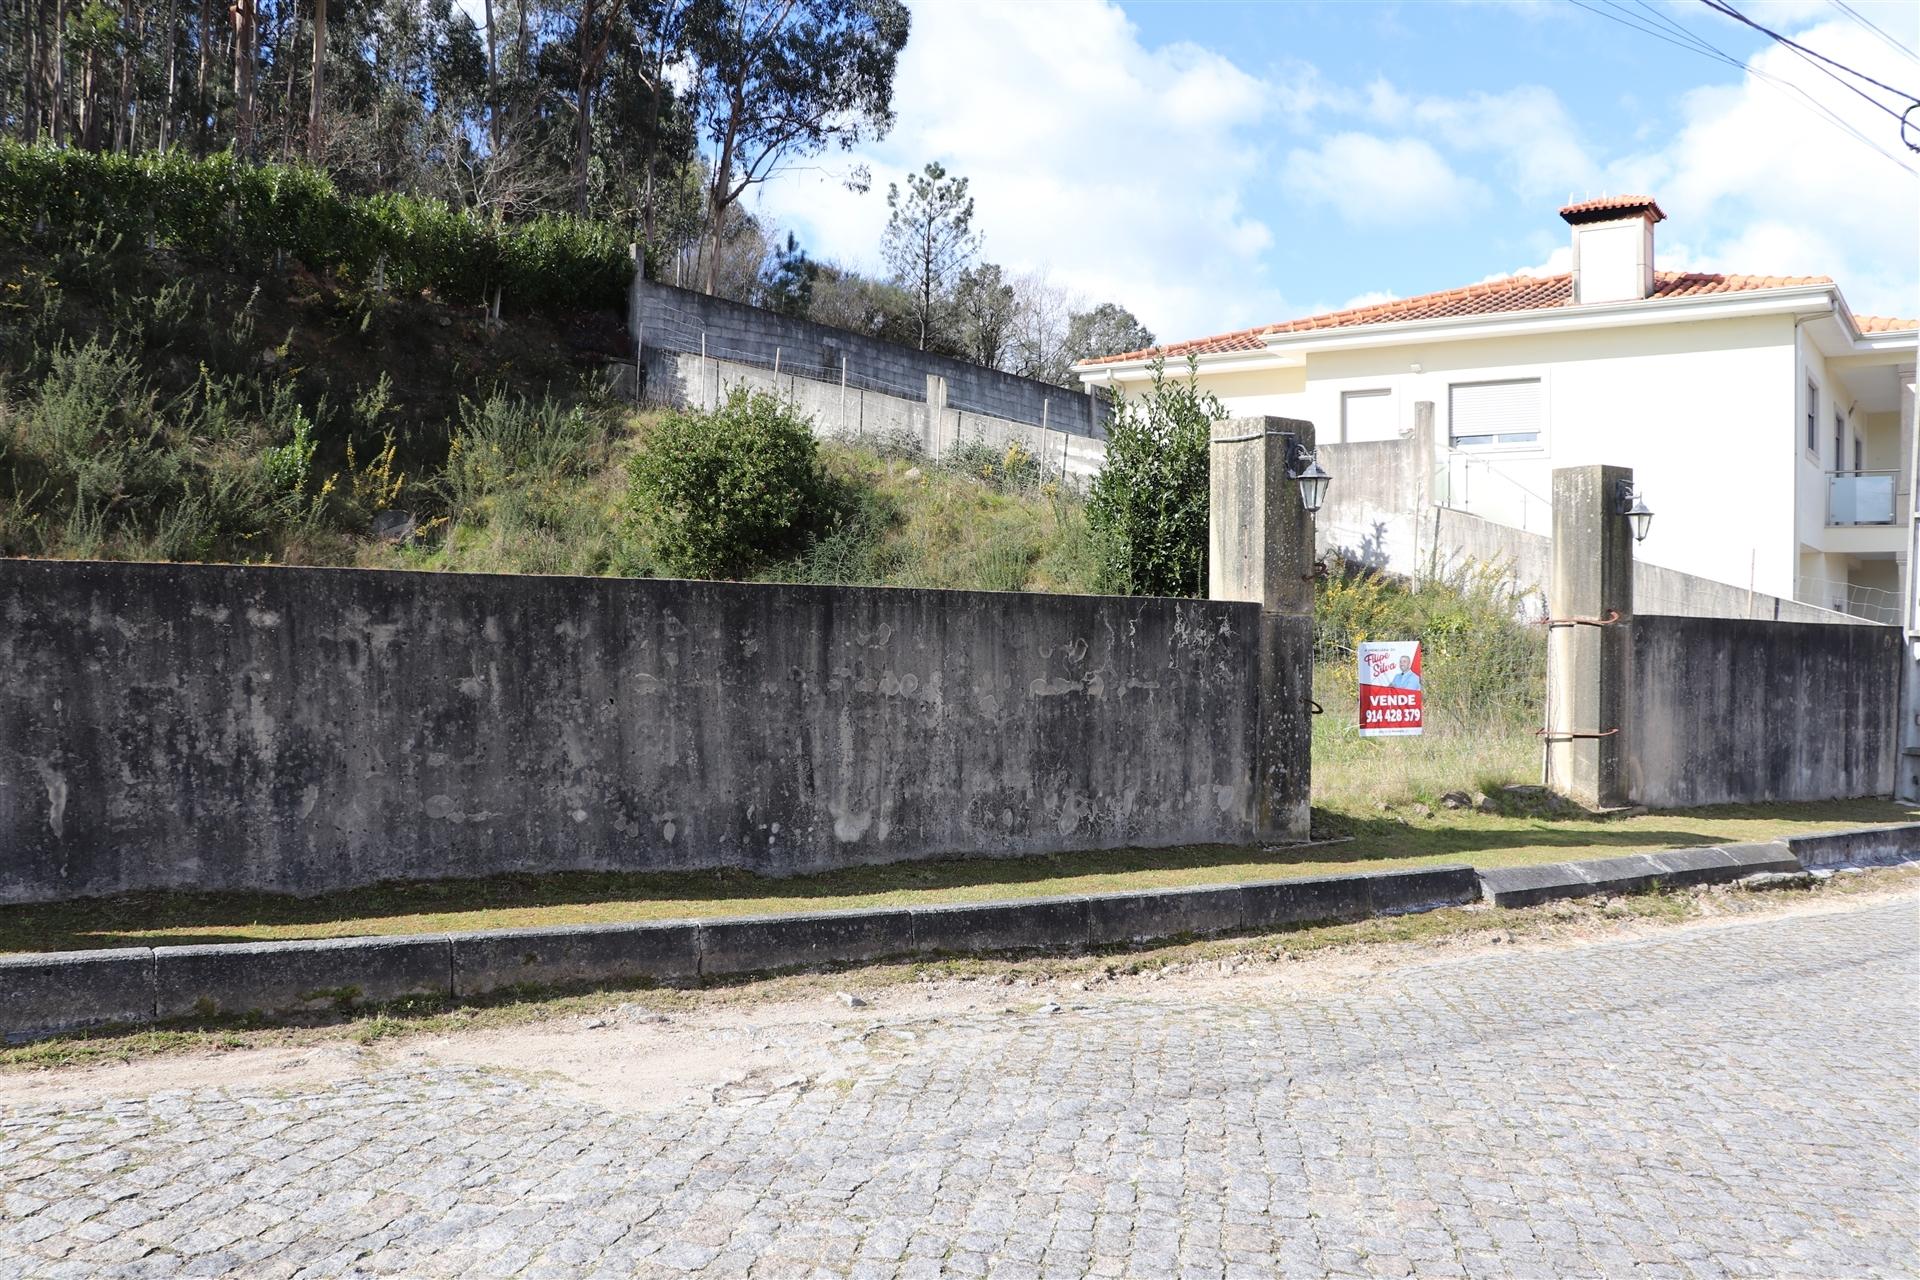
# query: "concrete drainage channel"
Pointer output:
{"type": "Point", "coordinates": [54, 992]}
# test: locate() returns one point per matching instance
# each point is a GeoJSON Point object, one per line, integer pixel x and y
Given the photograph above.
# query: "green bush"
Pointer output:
{"type": "Point", "coordinates": [718, 495]}
{"type": "Point", "coordinates": [1148, 507]}
{"type": "Point", "coordinates": [219, 207]}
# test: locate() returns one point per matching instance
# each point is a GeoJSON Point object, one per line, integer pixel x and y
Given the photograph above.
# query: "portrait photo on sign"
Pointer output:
{"type": "Point", "coordinates": [1391, 693]}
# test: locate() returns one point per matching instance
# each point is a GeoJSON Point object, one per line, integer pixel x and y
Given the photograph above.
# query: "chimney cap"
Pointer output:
{"type": "Point", "coordinates": [1611, 209]}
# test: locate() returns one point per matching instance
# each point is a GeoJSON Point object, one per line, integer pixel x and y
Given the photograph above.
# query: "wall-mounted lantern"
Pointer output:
{"type": "Point", "coordinates": [1628, 502]}
{"type": "Point", "coordinates": [1301, 462]}
{"type": "Point", "coordinates": [1313, 480]}
{"type": "Point", "coordinates": [1303, 466]}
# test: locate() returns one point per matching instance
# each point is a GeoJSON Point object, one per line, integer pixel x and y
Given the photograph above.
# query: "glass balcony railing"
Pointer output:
{"type": "Point", "coordinates": [1860, 497]}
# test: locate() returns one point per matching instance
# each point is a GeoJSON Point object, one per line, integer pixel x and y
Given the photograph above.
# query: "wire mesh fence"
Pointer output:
{"type": "Point", "coordinates": [665, 326]}
{"type": "Point", "coordinates": [1867, 603]}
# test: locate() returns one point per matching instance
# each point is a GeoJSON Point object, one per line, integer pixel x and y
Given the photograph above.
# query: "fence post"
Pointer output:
{"type": "Point", "coordinates": [936, 410]}
{"type": "Point", "coordinates": [1260, 549]}
{"type": "Point", "coordinates": [843, 387]}
{"type": "Point", "coordinates": [635, 325]}
{"type": "Point", "coordinates": [1589, 617]}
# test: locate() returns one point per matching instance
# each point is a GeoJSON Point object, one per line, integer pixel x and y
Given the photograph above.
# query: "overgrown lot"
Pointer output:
{"type": "Point", "coordinates": [160, 406]}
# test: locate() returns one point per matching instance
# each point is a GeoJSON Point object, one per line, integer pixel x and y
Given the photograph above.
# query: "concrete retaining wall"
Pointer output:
{"type": "Point", "coordinates": [1729, 711]}
{"type": "Point", "coordinates": [679, 320]}
{"type": "Point", "coordinates": [861, 414]}
{"type": "Point", "coordinates": [205, 727]}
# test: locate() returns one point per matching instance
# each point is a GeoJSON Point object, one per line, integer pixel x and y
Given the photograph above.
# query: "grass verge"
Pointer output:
{"type": "Point", "coordinates": [1451, 928]}
{"type": "Point", "coordinates": [1372, 842]}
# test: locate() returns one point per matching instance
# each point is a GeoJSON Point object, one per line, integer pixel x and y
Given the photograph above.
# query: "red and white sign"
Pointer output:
{"type": "Point", "coordinates": [1391, 699]}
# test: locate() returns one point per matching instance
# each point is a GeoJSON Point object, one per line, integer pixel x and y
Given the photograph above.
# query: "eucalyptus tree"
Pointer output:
{"type": "Point", "coordinates": [779, 81]}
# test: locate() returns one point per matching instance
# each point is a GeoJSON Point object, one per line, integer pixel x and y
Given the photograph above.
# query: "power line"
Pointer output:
{"type": "Point", "coordinates": [1627, 20]}
{"type": "Point", "coordinates": [1815, 59]}
{"type": "Point", "coordinates": [1721, 6]}
{"type": "Point", "coordinates": [1692, 38]}
{"type": "Point", "coordinates": [1874, 27]}
{"type": "Point", "coordinates": [1694, 43]}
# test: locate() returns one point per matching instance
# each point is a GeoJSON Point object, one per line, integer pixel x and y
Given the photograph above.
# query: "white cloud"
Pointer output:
{"type": "Point", "coordinates": [1538, 148]}
{"type": "Point", "coordinates": [1371, 298]}
{"type": "Point", "coordinates": [1756, 181]}
{"type": "Point", "coordinates": [1558, 263]}
{"type": "Point", "coordinates": [1393, 181]}
{"type": "Point", "coordinates": [1123, 170]}
{"type": "Point", "coordinates": [1161, 177]}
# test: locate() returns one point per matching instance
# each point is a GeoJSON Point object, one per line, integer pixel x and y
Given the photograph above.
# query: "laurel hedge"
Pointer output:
{"type": "Point", "coordinates": [218, 206]}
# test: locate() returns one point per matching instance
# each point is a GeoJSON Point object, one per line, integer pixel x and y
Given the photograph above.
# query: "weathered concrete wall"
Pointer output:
{"type": "Point", "coordinates": [1371, 514]}
{"type": "Point", "coordinates": [856, 413]}
{"type": "Point", "coordinates": [679, 320]}
{"type": "Point", "coordinates": [297, 730]}
{"type": "Point", "coordinates": [1731, 711]}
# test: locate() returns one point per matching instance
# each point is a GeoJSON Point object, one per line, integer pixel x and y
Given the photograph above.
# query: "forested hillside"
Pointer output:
{"type": "Point", "coordinates": [656, 120]}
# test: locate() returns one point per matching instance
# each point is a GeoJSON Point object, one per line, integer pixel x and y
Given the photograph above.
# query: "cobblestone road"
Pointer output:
{"type": "Point", "coordinates": [1720, 1101]}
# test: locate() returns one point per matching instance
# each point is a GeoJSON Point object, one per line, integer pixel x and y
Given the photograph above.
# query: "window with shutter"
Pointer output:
{"type": "Point", "coordinates": [1367, 415]}
{"type": "Point", "coordinates": [1494, 415]}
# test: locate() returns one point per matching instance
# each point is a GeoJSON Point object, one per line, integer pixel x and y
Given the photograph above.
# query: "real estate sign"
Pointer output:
{"type": "Point", "coordinates": [1391, 699]}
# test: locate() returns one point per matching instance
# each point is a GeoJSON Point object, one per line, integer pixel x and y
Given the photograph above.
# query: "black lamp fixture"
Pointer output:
{"type": "Point", "coordinates": [1628, 502]}
{"type": "Point", "coordinates": [1303, 465]}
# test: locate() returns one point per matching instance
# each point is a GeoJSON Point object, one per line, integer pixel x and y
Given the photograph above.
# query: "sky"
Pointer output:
{"type": "Point", "coordinates": [1216, 165]}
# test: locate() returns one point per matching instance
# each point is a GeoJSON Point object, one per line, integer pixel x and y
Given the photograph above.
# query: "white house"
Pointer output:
{"type": "Point", "coordinates": [1769, 427]}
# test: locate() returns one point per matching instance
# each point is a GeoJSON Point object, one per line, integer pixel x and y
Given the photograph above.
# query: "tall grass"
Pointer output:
{"type": "Point", "coordinates": [979, 519]}
{"type": "Point", "coordinates": [1484, 679]}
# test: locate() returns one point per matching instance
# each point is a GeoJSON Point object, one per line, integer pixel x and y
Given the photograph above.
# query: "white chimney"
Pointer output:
{"type": "Point", "coordinates": [1612, 248]}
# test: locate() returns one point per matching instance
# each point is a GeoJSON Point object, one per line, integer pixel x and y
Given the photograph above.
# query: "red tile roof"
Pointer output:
{"type": "Point", "coordinates": [1884, 324]}
{"type": "Point", "coordinates": [1607, 207]}
{"type": "Point", "coordinates": [1514, 294]}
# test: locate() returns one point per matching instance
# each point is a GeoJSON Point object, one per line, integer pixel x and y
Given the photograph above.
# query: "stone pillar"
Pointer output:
{"type": "Point", "coordinates": [936, 413]}
{"type": "Point", "coordinates": [636, 323]}
{"type": "Point", "coordinates": [1261, 550]}
{"type": "Point", "coordinates": [1424, 457]}
{"type": "Point", "coordinates": [1587, 664]}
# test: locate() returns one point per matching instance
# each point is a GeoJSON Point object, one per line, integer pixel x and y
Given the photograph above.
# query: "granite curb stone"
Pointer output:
{"type": "Point", "coordinates": [761, 944]}
{"type": "Point", "coordinates": [42, 994]}
{"type": "Point", "coordinates": [1033, 924]}
{"type": "Point", "coordinates": [1399, 892]}
{"type": "Point", "coordinates": [573, 955]}
{"type": "Point", "coordinates": [302, 976]}
{"type": "Point", "coordinates": [1874, 844]}
{"type": "Point", "coordinates": [1631, 873]}
{"type": "Point", "coordinates": [69, 990]}
{"type": "Point", "coordinates": [1163, 913]}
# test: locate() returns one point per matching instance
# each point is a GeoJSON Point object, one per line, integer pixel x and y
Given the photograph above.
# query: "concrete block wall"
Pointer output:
{"type": "Point", "coordinates": [303, 730]}
{"type": "Point", "coordinates": [1732, 711]}
{"type": "Point", "coordinates": [858, 413]}
{"type": "Point", "coordinates": [679, 320]}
